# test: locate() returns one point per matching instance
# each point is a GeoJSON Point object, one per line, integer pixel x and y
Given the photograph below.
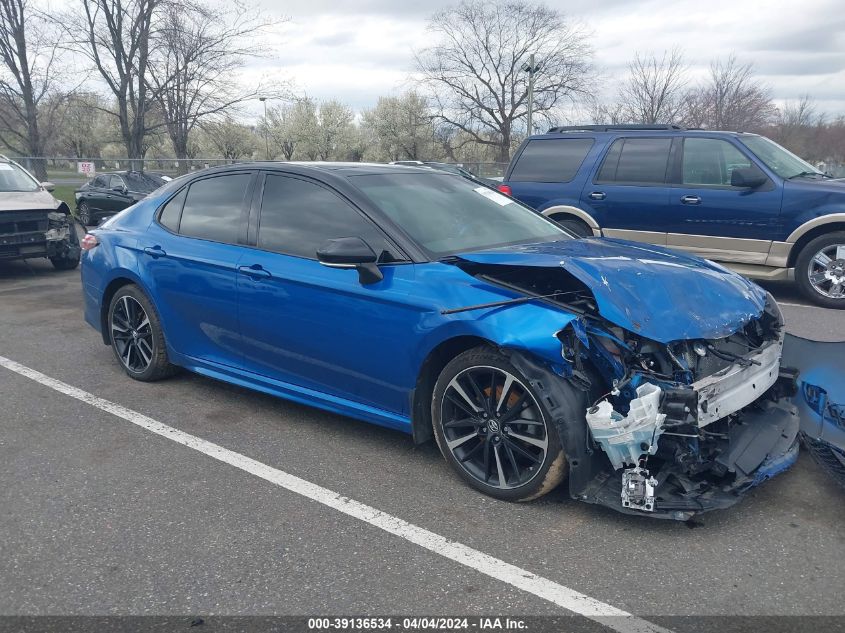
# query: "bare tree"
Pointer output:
{"type": "Point", "coordinates": [474, 71]}
{"type": "Point", "coordinates": [29, 94]}
{"type": "Point", "coordinates": [117, 36]}
{"type": "Point", "coordinates": [731, 99]}
{"type": "Point", "coordinates": [198, 51]}
{"type": "Point", "coordinates": [654, 89]}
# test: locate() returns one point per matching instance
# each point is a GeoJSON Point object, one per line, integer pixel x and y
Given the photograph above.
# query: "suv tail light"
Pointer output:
{"type": "Point", "coordinates": [89, 241]}
{"type": "Point", "coordinates": [505, 189]}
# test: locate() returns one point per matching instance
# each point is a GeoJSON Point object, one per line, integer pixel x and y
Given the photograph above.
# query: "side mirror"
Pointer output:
{"type": "Point", "coordinates": [48, 186]}
{"type": "Point", "coordinates": [351, 252]}
{"type": "Point", "coordinates": [748, 178]}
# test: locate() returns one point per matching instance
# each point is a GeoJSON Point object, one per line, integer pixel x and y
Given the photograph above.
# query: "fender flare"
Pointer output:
{"type": "Point", "coordinates": [576, 212]}
{"type": "Point", "coordinates": [809, 225]}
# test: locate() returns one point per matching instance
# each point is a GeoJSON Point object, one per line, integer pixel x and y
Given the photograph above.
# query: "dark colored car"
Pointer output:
{"type": "Point", "coordinates": [109, 193]}
{"type": "Point", "coordinates": [736, 198]}
{"type": "Point", "coordinates": [427, 303]}
{"type": "Point", "coordinates": [33, 223]}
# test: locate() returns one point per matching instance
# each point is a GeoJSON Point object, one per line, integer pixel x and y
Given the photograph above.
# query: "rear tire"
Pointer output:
{"type": "Point", "coordinates": [820, 270]}
{"type": "Point", "coordinates": [493, 430]}
{"type": "Point", "coordinates": [136, 337]}
{"type": "Point", "coordinates": [574, 225]}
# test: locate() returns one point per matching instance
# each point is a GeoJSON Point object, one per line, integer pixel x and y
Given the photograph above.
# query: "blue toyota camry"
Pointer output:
{"type": "Point", "coordinates": [434, 305]}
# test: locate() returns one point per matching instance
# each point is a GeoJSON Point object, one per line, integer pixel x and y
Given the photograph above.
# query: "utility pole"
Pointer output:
{"type": "Point", "coordinates": [266, 138]}
{"type": "Point", "coordinates": [531, 68]}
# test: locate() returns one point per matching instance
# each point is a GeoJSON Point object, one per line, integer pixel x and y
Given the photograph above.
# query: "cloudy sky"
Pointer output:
{"type": "Point", "coordinates": [357, 50]}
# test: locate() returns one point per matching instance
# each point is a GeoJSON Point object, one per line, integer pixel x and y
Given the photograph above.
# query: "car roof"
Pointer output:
{"type": "Point", "coordinates": [337, 168]}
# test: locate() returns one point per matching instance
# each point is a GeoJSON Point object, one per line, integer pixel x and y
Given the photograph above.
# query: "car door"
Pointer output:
{"type": "Point", "coordinates": [117, 197]}
{"type": "Point", "coordinates": [629, 194]}
{"type": "Point", "coordinates": [713, 219]}
{"type": "Point", "coordinates": [95, 195]}
{"type": "Point", "coordinates": [316, 327]}
{"type": "Point", "coordinates": [190, 258]}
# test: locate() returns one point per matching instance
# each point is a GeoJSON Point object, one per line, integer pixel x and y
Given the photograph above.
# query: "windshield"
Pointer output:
{"type": "Point", "coordinates": [781, 161]}
{"type": "Point", "coordinates": [446, 214]}
{"type": "Point", "coordinates": [13, 178]}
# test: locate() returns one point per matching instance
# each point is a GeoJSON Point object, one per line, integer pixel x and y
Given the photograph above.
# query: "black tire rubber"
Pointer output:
{"type": "Point", "coordinates": [70, 259]}
{"type": "Point", "coordinates": [553, 470]}
{"type": "Point", "coordinates": [802, 266]}
{"type": "Point", "coordinates": [83, 212]}
{"type": "Point", "coordinates": [160, 367]}
{"type": "Point", "coordinates": [574, 225]}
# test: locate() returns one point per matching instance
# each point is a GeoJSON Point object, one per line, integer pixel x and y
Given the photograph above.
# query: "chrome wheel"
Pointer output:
{"type": "Point", "coordinates": [494, 427]}
{"type": "Point", "coordinates": [84, 213]}
{"type": "Point", "coordinates": [826, 271]}
{"type": "Point", "coordinates": [132, 334]}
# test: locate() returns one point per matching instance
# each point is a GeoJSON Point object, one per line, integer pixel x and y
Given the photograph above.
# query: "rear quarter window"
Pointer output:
{"type": "Point", "coordinates": [551, 160]}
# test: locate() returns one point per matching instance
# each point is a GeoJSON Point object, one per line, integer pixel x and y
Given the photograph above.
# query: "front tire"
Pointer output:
{"type": "Point", "coordinates": [136, 335]}
{"type": "Point", "coordinates": [820, 270]}
{"type": "Point", "coordinates": [494, 430]}
{"type": "Point", "coordinates": [84, 213]}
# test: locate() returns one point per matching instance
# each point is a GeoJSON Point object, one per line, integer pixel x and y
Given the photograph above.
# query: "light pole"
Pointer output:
{"type": "Point", "coordinates": [266, 138]}
{"type": "Point", "coordinates": [531, 68]}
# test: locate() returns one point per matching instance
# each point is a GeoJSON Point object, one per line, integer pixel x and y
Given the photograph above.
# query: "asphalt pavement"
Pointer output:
{"type": "Point", "coordinates": [101, 516]}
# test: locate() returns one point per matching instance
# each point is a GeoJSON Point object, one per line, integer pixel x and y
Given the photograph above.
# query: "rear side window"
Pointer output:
{"type": "Point", "coordinates": [298, 217]}
{"type": "Point", "coordinates": [213, 208]}
{"type": "Point", "coordinates": [172, 211]}
{"type": "Point", "coordinates": [636, 161]}
{"type": "Point", "coordinates": [551, 160]}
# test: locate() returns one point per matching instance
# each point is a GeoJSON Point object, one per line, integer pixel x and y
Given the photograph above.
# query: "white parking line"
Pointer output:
{"type": "Point", "coordinates": [544, 588]}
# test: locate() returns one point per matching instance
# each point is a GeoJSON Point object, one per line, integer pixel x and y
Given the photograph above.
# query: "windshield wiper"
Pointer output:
{"type": "Point", "coordinates": [802, 174]}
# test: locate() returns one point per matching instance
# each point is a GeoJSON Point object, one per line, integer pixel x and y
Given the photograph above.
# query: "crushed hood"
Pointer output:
{"type": "Point", "coordinates": [27, 201]}
{"type": "Point", "coordinates": [657, 293]}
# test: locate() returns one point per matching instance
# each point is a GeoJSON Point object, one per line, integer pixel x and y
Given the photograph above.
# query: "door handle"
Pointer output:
{"type": "Point", "coordinates": [597, 195]}
{"type": "Point", "coordinates": [155, 251]}
{"type": "Point", "coordinates": [691, 200]}
{"type": "Point", "coordinates": [256, 271]}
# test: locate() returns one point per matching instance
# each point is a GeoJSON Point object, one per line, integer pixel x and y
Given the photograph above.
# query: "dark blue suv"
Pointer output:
{"type": "Point", "coordinates": [737, 198]}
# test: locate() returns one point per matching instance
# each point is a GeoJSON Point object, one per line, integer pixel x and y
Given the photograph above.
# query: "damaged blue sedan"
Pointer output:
{"type": "Point", "coordinates": [646, 380]}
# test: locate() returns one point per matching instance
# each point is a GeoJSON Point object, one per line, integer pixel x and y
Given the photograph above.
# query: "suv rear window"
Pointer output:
{"type": "Point", "coordinates": [550, 160]}
{"type": "Point", "coordinates": [636, 161]}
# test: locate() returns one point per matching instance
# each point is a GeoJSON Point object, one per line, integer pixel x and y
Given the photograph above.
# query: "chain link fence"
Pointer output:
{"type": "Point", "coordinates": [72, 170]}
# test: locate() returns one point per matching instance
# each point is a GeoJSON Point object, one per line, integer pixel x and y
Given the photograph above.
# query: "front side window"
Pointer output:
{"type": "Point", "coordinates": [710, 161]}
{"type": "Point", "coordinates": [13, 178]}
{"type": "Point", "coordinates": [213, 208]}
{"type": "Point", "coordinates": [636, 161]}
{"type": "Point", "coordinates": [447, 214]}
{"type": "Point", "coordinates": [298, 217]}
{"type": "Point", "coordinates": [551, 160]}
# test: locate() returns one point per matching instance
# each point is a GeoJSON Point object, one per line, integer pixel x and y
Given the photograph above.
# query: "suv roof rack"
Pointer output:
{"type": "Point", "coordinates": [611, 128]}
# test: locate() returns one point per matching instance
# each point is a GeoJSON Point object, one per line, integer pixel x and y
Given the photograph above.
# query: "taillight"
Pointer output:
{"type": "Point", "coordinates": [505, 189]}
{"type": "Point", "coordinates": [89, 241]}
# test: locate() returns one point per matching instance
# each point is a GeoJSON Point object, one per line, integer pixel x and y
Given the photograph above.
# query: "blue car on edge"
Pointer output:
{"type": "Point", "coordinates": [736, 198]}
{"type": "Point", "coordinates": [435, 305]}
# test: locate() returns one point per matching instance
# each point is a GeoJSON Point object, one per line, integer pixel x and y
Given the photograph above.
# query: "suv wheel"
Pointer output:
{"type": "Point", "coordinates": [493, 430]}
{"type": "Point", "coordinates": [820, 270]}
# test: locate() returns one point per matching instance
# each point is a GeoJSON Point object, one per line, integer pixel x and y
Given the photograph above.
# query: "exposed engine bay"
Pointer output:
{"type": "Point", "coordinates": [667, 429]}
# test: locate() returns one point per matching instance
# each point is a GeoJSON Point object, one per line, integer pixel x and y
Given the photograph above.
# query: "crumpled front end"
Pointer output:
{"type": "Point", "coordinates": [683, 427]}
{"type": "Point", "coordinates": [663, 427]}
{"type": "Point", "coordinates": [33, 233]}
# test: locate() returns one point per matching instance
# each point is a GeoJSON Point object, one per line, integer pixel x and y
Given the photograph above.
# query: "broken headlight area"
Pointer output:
{"type": "Point", "coordinates": [684, 427]}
